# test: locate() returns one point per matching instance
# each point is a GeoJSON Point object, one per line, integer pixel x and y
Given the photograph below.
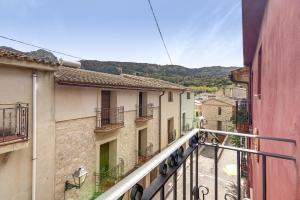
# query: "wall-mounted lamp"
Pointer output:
{"type": "Point", "coordinates": [79, 178]}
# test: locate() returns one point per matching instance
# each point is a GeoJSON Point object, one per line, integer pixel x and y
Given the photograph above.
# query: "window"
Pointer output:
{"type": "Point", "coordinates": [170, 96]}
{"type": "Point", "coordinates": [219, 110]}
{"type": "Point", "coordinates": [188, 95]}
{"type": "Point", "coordinates": [219, 128]}
{"type": "Point", "coordinates": [259, 70]}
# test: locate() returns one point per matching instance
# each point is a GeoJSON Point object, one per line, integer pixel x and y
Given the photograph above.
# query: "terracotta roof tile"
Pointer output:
{"type": "Point", "coordinates": [17, 55]}
{"type": "Point", "coordinates": [73, 76]}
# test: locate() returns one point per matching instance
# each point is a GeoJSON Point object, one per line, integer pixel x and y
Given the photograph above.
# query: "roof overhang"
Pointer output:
{"type": "Point", "coordinates": [240, 75]}
{"type": "Point", "coordinates": [252, 14]}
{"type": "Point", "coordinates": [26, 64]}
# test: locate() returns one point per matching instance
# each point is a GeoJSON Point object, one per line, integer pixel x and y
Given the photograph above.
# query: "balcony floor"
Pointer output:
{"type": "Point", "coordinates": [11, 139]}
{"type": "Point", "coordinates": [108, 128]}
{"type": "Point", "coordinates": [143, 119]}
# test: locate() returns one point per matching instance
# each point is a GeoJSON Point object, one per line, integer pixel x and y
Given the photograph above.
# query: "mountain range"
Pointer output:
{"type": "Point", "coordinates": [213, 76]}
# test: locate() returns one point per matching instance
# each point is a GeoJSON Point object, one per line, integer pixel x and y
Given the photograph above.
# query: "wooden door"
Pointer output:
{"type": "Point", "coordinates": [105, 107]}
{"type": "Point", "coordinates": [140, 104]}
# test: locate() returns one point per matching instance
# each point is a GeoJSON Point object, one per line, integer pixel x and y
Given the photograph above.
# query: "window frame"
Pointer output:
{"type": "Point", "coordinates": [219, 110]}
{"type": "Point", "coordinates": [188, 95]}
{"type": "Point", "coordinates": [170, 96]}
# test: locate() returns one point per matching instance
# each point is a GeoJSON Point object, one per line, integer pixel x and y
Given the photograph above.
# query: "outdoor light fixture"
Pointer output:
{"type": "Point", "coordinates": [79, 178]}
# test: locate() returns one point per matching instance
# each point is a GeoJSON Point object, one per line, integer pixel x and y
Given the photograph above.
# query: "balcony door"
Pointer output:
{"type": "Point", "coordinates": [105, 107]}
{"type": "Point", "coordinates": [171, 136]}
{"type": "Point", "coordinates": [140, 104]}
{"type": "Point", "coordinates": [142, 142]}
{"type": "Point", "coordinates": [183, 121]}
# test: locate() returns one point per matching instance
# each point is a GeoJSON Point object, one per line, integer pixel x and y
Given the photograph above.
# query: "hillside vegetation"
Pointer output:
{"type": "Point", "coordinates": [201, 79]}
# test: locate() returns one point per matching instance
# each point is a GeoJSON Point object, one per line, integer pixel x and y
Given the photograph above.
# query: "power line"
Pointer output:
{"type": "Point", "coordinates": [36, 46]}
{"type": "Point", "coordinates": [160, 33]}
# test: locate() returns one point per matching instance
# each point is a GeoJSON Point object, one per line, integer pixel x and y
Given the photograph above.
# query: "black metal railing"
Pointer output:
{"type": "Point", "coordinates": [176, 157]}
{"type": "Point", "coordinates": [13, 122]}
{"type": "Point", "coordinates": [144, 112]}
{"type": "Point", "coordinates": [145, 154]}
{"type": "Point", "coordinates": [109, 117]}
{"type": "Point", "coordinates": [171, 136]}
{"type": "Point", "coordinates": [186, 127]}
{"type": "Point", "coordinates": [106, 178]}
{"type": "Point", "coordinates": [241, 117]}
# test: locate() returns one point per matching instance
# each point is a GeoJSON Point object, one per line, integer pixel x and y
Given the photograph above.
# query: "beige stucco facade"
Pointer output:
{"type": "Point", "coordinates": [75, 125]}
{"type": "Point", "coordinates": [16, 158]}
{"type": "Point", "coordinates": [66, 138]}
{"type": "Point", "coordinates": [169, 110]}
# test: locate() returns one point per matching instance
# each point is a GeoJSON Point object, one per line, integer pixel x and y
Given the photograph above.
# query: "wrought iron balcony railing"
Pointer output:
{"type": "Point", "coordinates": [144, 112]}
{"type": "Point", "coordinates": [13, 122]}
{"type": "Point", "coordinates": [171, 136]}
{"type": "Point", "coordinates": [145, 154]}
{"type": "Point", "coordinates": [108, 119]}
{"type": "Point", "coordinates": [106, 178]}
{"type": "Point", "coordinates": [186, 127]}
{"type": "Point", "coordinates": [176, 157]}
{"type": "Point", "coordinates": [242, 116]}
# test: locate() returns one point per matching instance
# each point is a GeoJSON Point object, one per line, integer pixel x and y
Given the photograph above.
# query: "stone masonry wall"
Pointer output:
{"type": "Point", "coordinates": [75, 147]}
{"type": "Point", "coordinates": [210, 112]}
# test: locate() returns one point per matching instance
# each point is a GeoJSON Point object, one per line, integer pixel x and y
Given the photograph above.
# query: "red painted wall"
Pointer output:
{"type": "Point", "coordinates": [277, 112]}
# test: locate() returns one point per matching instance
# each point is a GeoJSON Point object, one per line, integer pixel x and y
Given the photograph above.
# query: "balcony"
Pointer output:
{"type": "Point", "coordinates": [13, 127]}
{"type": "Point", "coordinates": [109, 119]}
{"type": "Point", "coordinates": [145, 155]}
{"type": "Point", "coordinates": [171, 136]}
{"type": "Point", "coordinates": [108, 177]}
{"type": "Point", "coordinates": [175, 161]}
{"type": "Point", "coordinates": [144, 113]}
{"type": "Point", "coordinates": [241, 116]}
{"type": "Point", "coordinates": [185, 127]}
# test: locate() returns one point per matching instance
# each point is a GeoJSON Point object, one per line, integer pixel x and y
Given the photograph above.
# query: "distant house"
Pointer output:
{"type": "Point", "coordinates": [234, 92]}
{"type": "Point", "coordinates": [187, 111]}
{"type": "Point", "coordinates": [217, 113]}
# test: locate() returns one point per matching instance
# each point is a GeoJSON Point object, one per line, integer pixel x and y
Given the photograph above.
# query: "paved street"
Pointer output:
{"type": "Point", "coordinates": [226, 171]}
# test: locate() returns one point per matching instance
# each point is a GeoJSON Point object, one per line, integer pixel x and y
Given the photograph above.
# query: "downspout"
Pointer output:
{"type": "Point", "coordinates": [180, 107]}
{"type": "Point", "coordinates": [34, 89]}
{"type": "Point", "coordinates": [159, 132]}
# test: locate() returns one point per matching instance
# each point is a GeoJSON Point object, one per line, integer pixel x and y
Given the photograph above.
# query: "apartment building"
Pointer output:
{"type": "Point", "coordinates": [27, 130]}
{"type": "Point", "coordinates": [271, 41]}
{"type": "Point", "coordinates": [112, 122]}
{"type": "Point", "coordinates": [188, 120]}
{"type": "Point", "coordinates": [97, 125]}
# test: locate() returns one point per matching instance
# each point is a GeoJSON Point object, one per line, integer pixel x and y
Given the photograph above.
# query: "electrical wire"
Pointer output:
{"type": "Point", "coordinates": [36, 46]}
{"type": "Point", "coordinates": [160, 33]}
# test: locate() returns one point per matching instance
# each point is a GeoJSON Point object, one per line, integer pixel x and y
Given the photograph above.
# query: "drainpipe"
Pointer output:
{"type": "Point", "coordinates": [180, 128]}
{"type": "Point", "coordinates": [34, 83]}
{"type": "Point", "coordinates": [159, 133]}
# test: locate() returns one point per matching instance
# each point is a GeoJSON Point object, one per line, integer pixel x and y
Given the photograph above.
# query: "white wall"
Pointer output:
{"type": "Point", "coordinates": [169, 110]}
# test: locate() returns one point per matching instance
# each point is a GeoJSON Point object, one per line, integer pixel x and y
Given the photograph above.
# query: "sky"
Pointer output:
{"type": "Point", "coordinates": [197, 32]}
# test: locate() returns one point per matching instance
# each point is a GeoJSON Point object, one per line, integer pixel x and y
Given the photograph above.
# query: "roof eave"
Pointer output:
{"type": "Point", "coordinates": [252, 17]}
{"type": "Point", "coordinates": [27, 64]}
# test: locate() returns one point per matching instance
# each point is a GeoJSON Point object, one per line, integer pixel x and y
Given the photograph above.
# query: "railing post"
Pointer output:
{"type": "Point", "coordinates": [175, 185]}
{"type": "Point", "coordinates": [264, 178]}
{"type": "Point", "coordinates": [184, 180]}
{"type": "Point", "coordinates": [191, 176]}
{"type": "Point", "coordinates": [216, 171]}
{"type": "Point", "coordinates": [238, 161]}
{"type": "Point", "coordinates": [162, 193]}
{"type": "Point", "coordinates": [196, 171]}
